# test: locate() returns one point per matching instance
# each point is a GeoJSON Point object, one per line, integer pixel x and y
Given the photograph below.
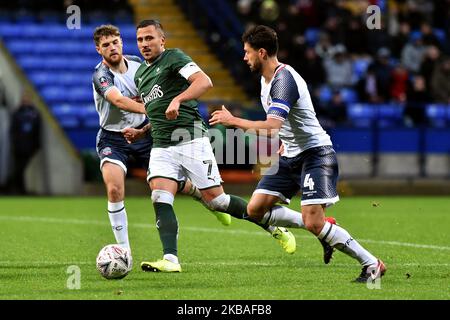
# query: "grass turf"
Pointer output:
{"type": "Point", "coordinates": [42, 237]}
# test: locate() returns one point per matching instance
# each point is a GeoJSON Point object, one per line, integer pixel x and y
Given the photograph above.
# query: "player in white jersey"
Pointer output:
{"type": "Point", "coordinates": [114, 92]}
{"type": "Point", "coordinates": [308, 161]}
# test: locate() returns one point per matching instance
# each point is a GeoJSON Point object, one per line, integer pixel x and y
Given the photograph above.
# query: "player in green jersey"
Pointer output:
{"type": "Point", "coordinates": [169, 83]}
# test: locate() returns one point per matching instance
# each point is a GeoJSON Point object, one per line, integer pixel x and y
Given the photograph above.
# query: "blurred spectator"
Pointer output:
{"type": "Point", "coordinates": [247, 10]}
{"type": "Point", "coordinates": [337, 108]}
{"type": "Point", "coordinates": [400, 40]}
{"type": "Point", "coordinates": [355, 37]}
{"type": "Point", "coordinates": [306, 12]}
{"type": "Point", "coordinates": [374, 88]}
{"type": "Point", "coordinates": [333, 28]}
{"type": "Point", "coordinates": [311, 68]}
{"type": "Point", "coordinates": [413, 53]}
{"type": "Point", "coordinates": [333, 112]}
{"type": "Point", "coordinates": [399, 83]}
{"type": "Point", "coordinates": [323, 46]}
{"type": "Point", "coordinates": [429, 62]}
{"type": "Point", "coordinates": [440, 81]}
{"type": "Point", "coordinates": [378, 38]}
{"type": "Point", "coordinates": [417, 12]}
{"type": "Point", "coordinates": [297, 48]}
{"type": "Point", "coordinates": [269, 11]}
{"type": "Point", "coordinates": [428, 36]}
{"type": "Point", "coordinates": [25, 140]}
{"type": "Point", "coordinates": [417, 98]}
{"type": "Point", "coordinates": [368, 87]}
{"type": "Point", "coordinates": [339, 68]}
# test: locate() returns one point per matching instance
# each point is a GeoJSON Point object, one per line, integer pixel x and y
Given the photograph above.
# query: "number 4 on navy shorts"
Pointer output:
{"type": "Point", "coordinates": [314, 172]}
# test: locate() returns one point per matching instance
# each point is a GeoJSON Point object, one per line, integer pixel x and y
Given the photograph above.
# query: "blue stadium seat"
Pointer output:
{"type": "Point", "coordinates": [65, 78]}
{"type": "Point", "coordinates": [98, 17]}
{"type": "Point", "coordinates": [40, 78]}
{"type": "Point", "coordinates": [24, 16]}
{"type": "Point", "coordinates": [60, 63]}
{"type": "Point", "coordinates": [52, 17]}
{"type": "Point", "coordinates": [46, 47]}
{"type": "Point", "coordinates": [55, 31]}
{"type": "Point", "coordinates": [80, 94]}
{"type": "Point", "coordinates": [54, 94]}
{"type": "Point", "coordinates": [30, 62]}
{"type": "Point", "coordinates": [122, 17]}
{"type": "Point", "coordinates": [360, 68]}
{"type": "Point", "coordinates": [390, 115]}
{"type": "Point", "coordinates": [362, 115]}
{"type": "Point", "coordinates": [440, 34]}
{"type": "Point", "coordinates": [349, 95]}
{"type": "Point", "coordinates": [325, 94]}
{"type": "Point", "coordinates": [89, 116]}
{"type": "Point", "coordinates": [128, 33]}
{"type": "Point", "coordinates": [9, 30]}
{"type": "Point", "coordinates": [312, 36]}
{"type": "Point", "coordinates": [415, 34]}
{"type": "Point", "coordinates": [67, 116]}
{"type": "Point", "coordinates": [85, 32]}
{"type": "Point", "coordinates": [437, 115]}
{"type": "Point", "coordinates": [82, 138]}
{"type": "Point", "coordinates": [31, 30]}
{"type": "Point", "coordinates": [18, 46]}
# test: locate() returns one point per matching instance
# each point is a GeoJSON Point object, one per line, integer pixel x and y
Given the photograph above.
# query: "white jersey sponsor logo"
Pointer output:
{"type": "Point", "coordinates": [156, 92]}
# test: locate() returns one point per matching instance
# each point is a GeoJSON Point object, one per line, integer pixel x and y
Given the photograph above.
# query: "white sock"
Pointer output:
{"type": "Point", "coordinates": [281, 216]}
{"type": "Point", "coordinates": [118, 218]}
{"type": "Point", "coordinates": [171, 257]}
{"type": "Point", "coordinates": [340, 239]}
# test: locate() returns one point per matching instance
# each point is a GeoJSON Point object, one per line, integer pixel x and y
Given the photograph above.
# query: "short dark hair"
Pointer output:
{"type": "Point", "coordinates": [151, 22]}
{"type": "Point", "coordinates": [105, 30]}
{"type": "Point", "coordinates": [262, 37]}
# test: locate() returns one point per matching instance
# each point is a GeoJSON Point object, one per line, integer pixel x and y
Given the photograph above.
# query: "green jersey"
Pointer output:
{"type": "Point", "coordinates": [158, 83]}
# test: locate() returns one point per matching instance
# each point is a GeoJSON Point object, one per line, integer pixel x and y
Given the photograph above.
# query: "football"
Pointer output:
{"type": "Point", "coordinates": [114, 262]}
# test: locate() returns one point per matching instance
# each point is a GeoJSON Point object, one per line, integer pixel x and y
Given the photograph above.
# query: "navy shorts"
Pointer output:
{"type": "Point", "coordinates": [112, 147]}
{"type": "Point", "coordinates": [314, 172]}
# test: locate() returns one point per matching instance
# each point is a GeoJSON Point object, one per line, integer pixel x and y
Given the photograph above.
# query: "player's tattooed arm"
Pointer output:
{"type": "Point", "coordinates": [268, 127]}
{"type": "Point", "coordinates": [132, 134]}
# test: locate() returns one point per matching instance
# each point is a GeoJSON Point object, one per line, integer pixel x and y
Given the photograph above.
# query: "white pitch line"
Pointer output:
{"type": "Point", "coordinates": [217, 263]}
{"type": "Point", "coordinates": [214, 230]}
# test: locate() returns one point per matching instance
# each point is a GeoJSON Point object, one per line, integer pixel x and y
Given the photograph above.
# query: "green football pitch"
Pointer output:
{"type": "Point", "coordinates": [46, 242]}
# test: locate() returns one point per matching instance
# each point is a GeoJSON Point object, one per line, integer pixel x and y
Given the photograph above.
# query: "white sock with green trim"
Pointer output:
{"type": "Point", "coordinates": [118, 218]}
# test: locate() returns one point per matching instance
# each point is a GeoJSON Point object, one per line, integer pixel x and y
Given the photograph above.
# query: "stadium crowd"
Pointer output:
{"type": "Point", "coordinates": [406, 61]}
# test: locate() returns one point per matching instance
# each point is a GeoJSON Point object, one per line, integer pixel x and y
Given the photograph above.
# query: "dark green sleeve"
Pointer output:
{"type": "Point", "coordinates": [178, 59]}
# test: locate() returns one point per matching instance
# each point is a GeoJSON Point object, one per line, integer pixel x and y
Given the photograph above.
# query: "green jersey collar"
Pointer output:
{"type": "Point", "coordinates": [148, 64]}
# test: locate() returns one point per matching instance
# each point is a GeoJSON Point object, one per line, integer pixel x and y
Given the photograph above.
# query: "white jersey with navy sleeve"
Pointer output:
{"type": "Point", "coordinates": [286, 97]}
{"type": "Point", "coordinates": [111, 117]}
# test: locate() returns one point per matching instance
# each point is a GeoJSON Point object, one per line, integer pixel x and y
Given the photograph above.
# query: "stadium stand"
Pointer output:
{"type": "Point", "coordinates": [60, 62]}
